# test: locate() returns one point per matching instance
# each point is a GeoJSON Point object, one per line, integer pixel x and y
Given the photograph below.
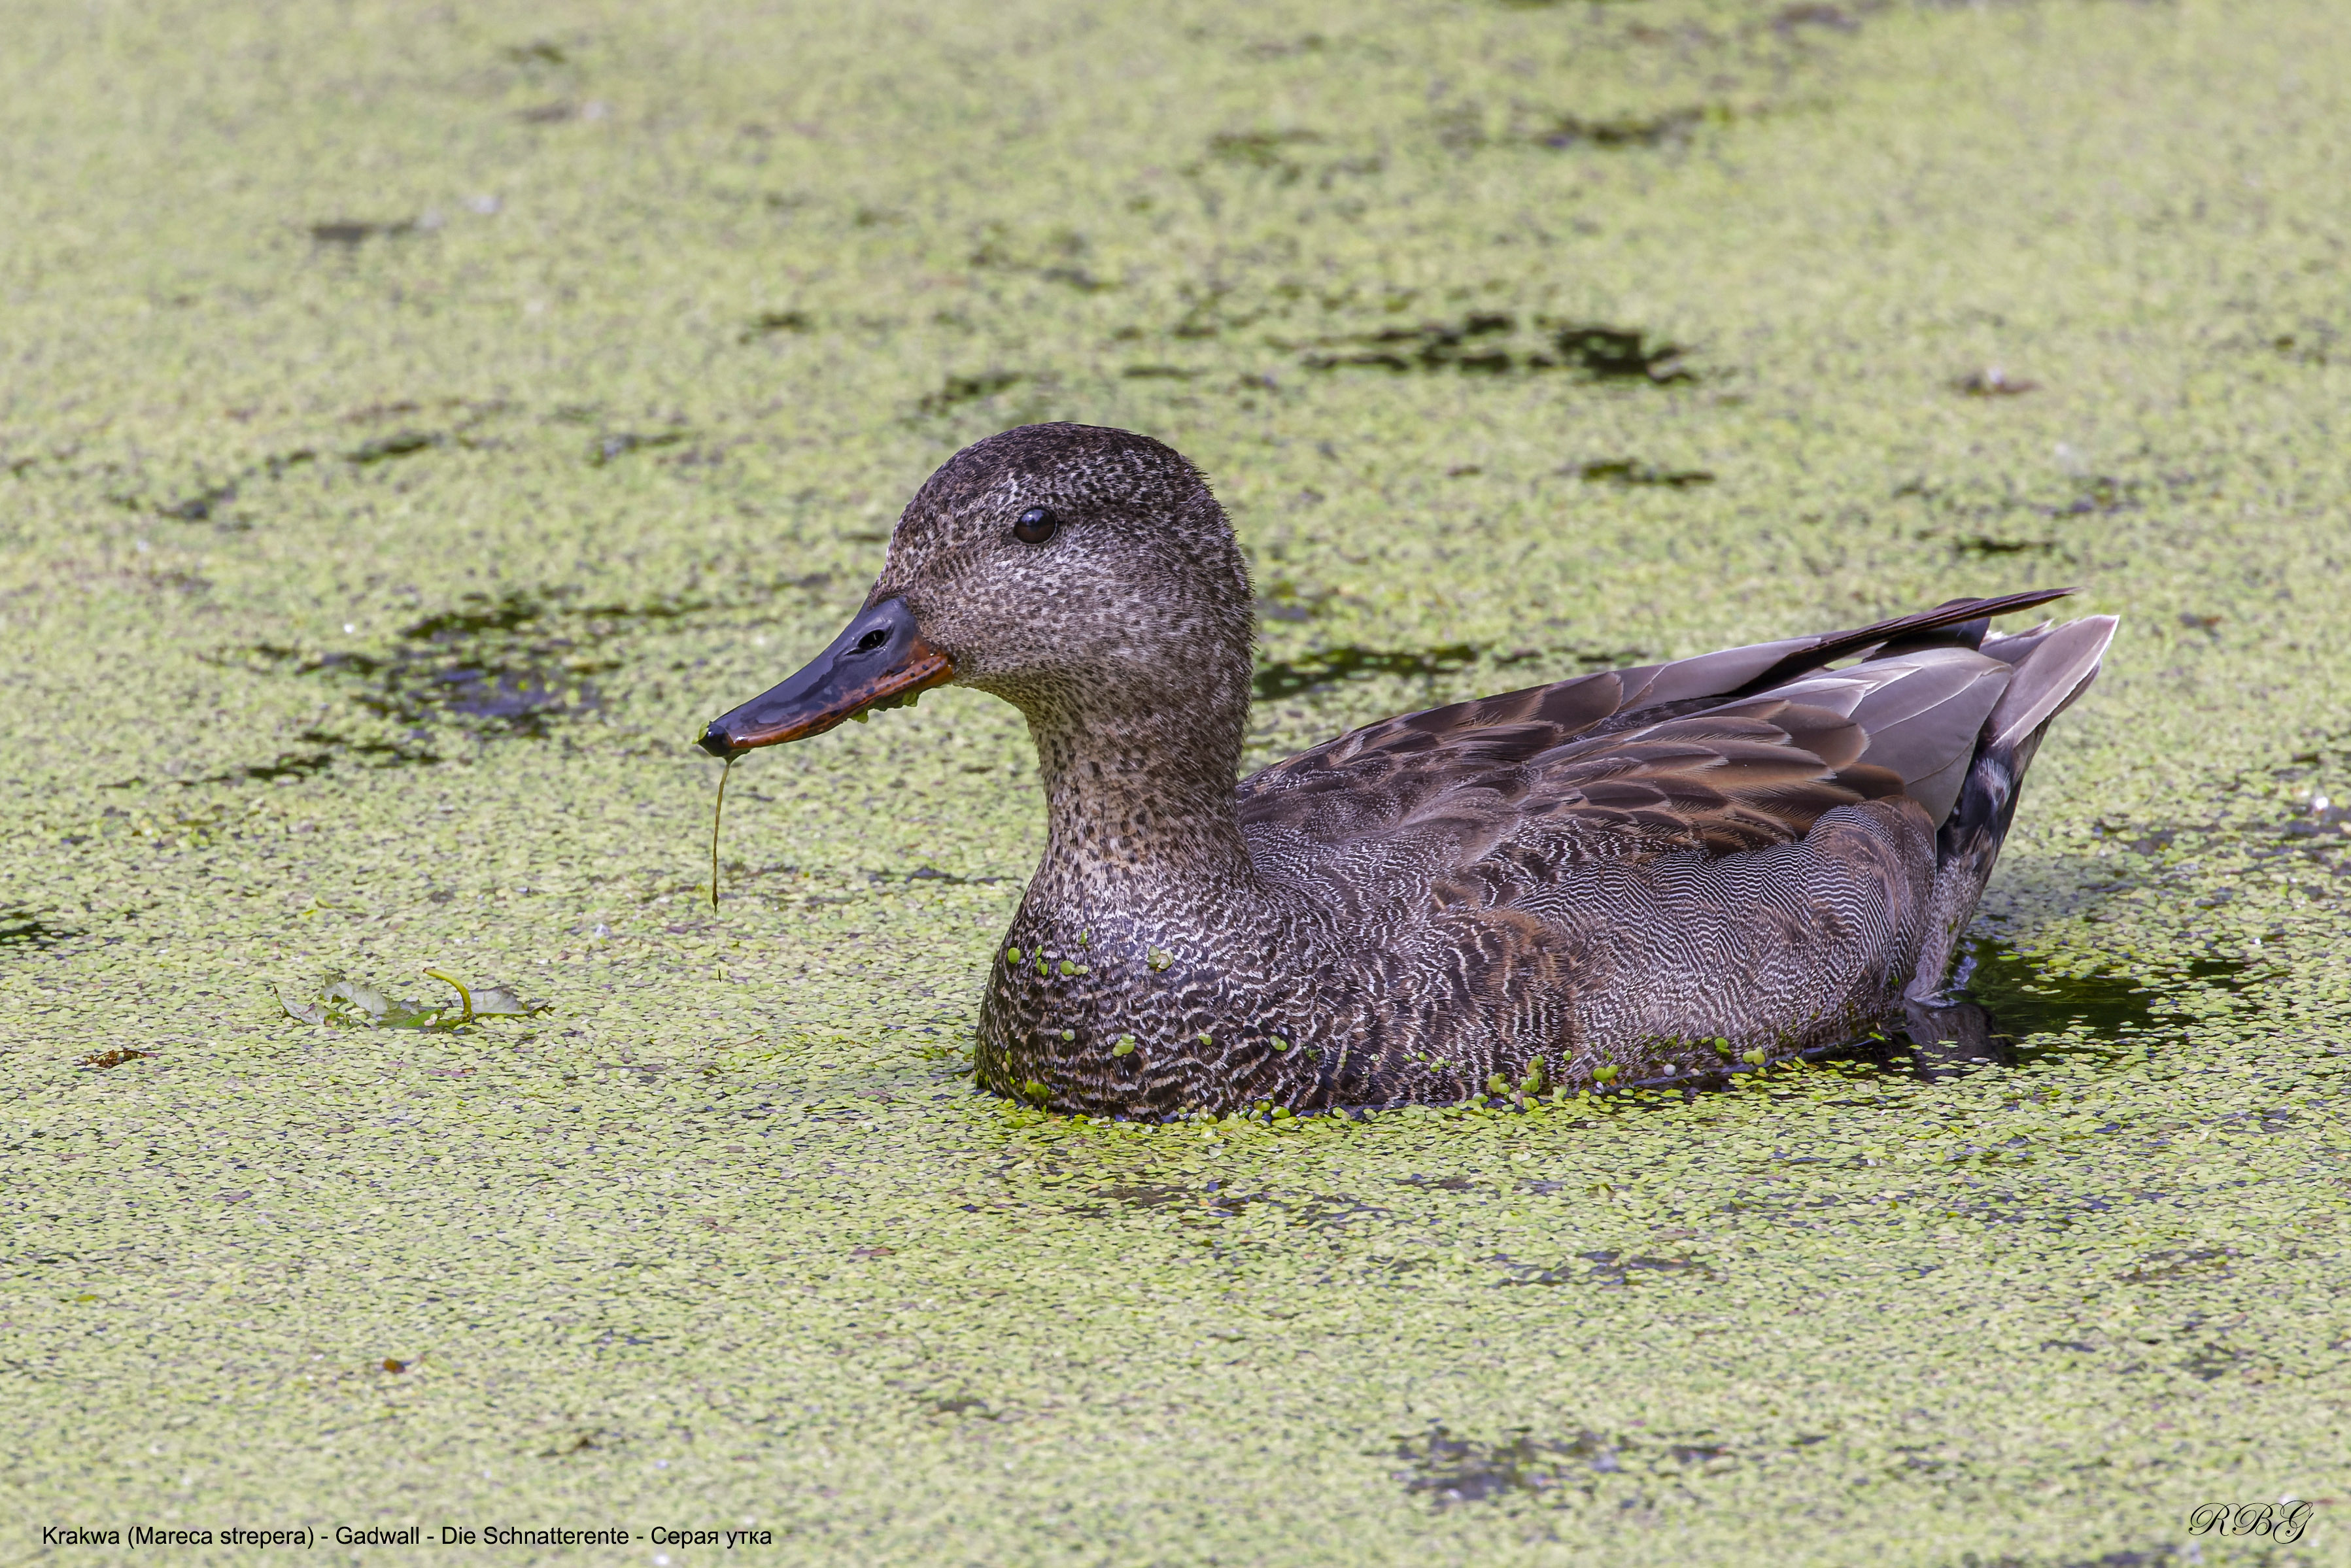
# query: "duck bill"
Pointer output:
{"type": "Point", "coordinates": [881, 660]}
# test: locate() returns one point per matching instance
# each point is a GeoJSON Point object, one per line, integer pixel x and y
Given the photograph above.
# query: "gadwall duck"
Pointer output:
{"type": "Point", "coordinates": [1644, 872]}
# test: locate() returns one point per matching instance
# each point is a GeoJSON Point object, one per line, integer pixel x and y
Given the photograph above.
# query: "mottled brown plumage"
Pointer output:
{"type": "Point", "coordinates": [1648, 869]}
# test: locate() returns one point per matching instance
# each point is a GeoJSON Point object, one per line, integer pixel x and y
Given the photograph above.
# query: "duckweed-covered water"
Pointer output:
{"type": "Point", "coordinates": [416, 422]}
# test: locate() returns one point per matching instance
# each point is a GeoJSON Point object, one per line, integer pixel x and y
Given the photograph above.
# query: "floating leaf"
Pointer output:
{"type": "Point", "coordinates": [500, 1002]}
{"type": "Point", "coordinates": [351, 1004]}
{"type": "Point", "coordinates": [362, 999]}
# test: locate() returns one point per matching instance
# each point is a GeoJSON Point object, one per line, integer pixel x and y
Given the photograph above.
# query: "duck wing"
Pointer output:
{"type": "Point", "coordinates": [1729, 751]}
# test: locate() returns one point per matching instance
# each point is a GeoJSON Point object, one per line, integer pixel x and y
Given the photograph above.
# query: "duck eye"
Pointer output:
{"type": "Point", "coordinates": [1034, 527]}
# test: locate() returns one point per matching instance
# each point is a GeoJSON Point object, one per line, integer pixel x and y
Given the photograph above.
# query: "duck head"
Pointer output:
{"type": "Point", "coordinates": [1086, 574]}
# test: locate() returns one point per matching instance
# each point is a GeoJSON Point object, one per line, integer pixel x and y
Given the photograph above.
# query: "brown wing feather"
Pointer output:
{"type": "Point", "coordinates": [1690, 755]}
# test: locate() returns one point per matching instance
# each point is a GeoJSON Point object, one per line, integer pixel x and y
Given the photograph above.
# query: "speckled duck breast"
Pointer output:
{"type": "Point", "coordinates": [1736, 856]}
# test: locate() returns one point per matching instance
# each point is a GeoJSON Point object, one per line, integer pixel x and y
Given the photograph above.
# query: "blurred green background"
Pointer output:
{"type": "Point", "coordinates": [416, 420]}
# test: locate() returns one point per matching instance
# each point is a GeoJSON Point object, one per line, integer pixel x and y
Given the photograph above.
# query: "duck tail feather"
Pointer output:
{"type": "Point", "coordinates": [2055, 670]}
{"type": "Point", "coordinates": [2055, 665]}
{"type": "Point", "coordinates": [1952, 623]}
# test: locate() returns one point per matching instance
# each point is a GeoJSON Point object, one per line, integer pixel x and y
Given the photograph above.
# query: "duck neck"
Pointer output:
{"type": "Point", "coordinates": [1141, 810]}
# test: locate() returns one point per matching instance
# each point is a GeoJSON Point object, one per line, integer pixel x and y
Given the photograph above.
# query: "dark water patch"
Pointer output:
{"type": "Point", "coordinates": [1057, 257]}
{"type": "Point", "coordinates": [494, 670]}
{"type": "Point", "coordinates": [1608, 1270]}
{"type": "Point", "coordinates": [1287, 678]}
{"type": "Point", "coordinates": [2312, 343]}
{"type": "Point", "coordinates": [1161, 373]}
{"type": "Point", "coordinates": [562, 109]}
{"type": "Point", "coordinates": [376, 411]}
{"type": "Point", "coordinates": [513, 666]}
{"type": "Point", "coordinates": [768, 323]}
{"type": "Point", "coordinates": [1284, 48]}
{"type": "Point", "coordinates": [1615, 353]}
{"type": "Point", "coordinates": [210, 505]}
{"type": "Point", "coordinates": [1495, 344]}
{"type": "Point", "coordinates": [1984, 545]}
{"type": "Point", "coordinates": [2185, 1263]}
{"type": "Point", "coordinates": [2097, 496]}
{"type": "Point", "coordinates": [1796, 17]}
{"type": "Point", "coordinates": [200, 507]}
{"type": "Point", "coordinates": [1336, 1211]}
{"type": "Point", "coordinates": [520, 664]}
{"type": "Point", "coordinates": [2024, 999]}
{"type": "Point", "coordinates": [1266, 151]}
{"type": "Point", "coordinates": [2325, 827]}
{"type": "Point", "coordinates": [207, 506]}
{"type": "Point", "coordinates": [1138, 1195]}
{"type": "Point", "coordinates": [1204, 315]}
{"type": "Point", "coordinates": [1076, 277]}
{"type": "Point", "coordinates": [2002, 1001]}
{"type": "Point", "coordinates": [1626, 129]}
{"type": "Point", "coordinates": [1990, 523]}
{"type": "Point", "coordinates": [1211, 1201]}
{"type": "Point", "coordinates": [350, 233]}
{"type": "Point", "coordinates": [523, 698]}
{"type": "Point", "coordinates": [1998, 1002]}
{"type": "Point", "coordinates": [303, 764]}
{"type": "Point", "coordinates": [1623, 471]}
{"type": "Point", "coordinates": [537, 52]}
{"type": "Point", "coordinates": [405, 444]}
{"type": "Point", "coordinates": [1285, 598]}
{"type": "Point", "coordinates": [1993, 381]}
{"type": "Point", "coordinates": [1449, 1470]}
{"type": "Point", "coordinates": [510, 611]}
{"type": "Point", "coordinates": [2211, 1361]}
{"type": "Point", "coordinates": [620, 443]}
{"type": "Point", "coordinates": [26, 927]}
{"type": "Point", "coordinates": [1478, 344]}
{"type": "Point", "coordinates": [928, 873]}
{"type": "Point", "coordinates": [958, 391]}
